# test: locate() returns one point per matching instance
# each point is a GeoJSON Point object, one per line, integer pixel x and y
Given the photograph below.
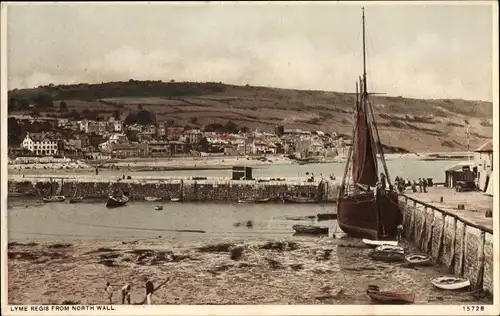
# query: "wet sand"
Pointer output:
{"type": "Point", "coordinates": [214, 271]}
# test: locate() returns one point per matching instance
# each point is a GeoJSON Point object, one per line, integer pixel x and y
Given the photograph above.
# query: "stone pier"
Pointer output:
{"type": "Point", "coordinates": [188, 189]}
{"type": "Point", "coordinates": [459, 239]}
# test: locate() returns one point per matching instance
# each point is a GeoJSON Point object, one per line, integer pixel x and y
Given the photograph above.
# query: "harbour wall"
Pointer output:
{"type": "Point", "coordinates": [213, 190]}
{"type": "Point", "coordinates": [463, 247]}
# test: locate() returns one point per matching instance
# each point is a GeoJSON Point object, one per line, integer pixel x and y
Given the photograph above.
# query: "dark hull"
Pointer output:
{"type": "Point", "coordinates": [116, 201]}
{"type": "Point", "coordinates": [292, 199]}
{"type": "Point", "coordinates": [362, 216]}
{"type": "Point", "coordinates": [391, 297]}
{"type": "Point", "coordinates": [310, 230]}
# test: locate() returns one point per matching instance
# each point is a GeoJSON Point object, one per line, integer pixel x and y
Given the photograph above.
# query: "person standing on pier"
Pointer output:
{"type": "Point", "coordinates": [414, 186]}
{"type": "Point", "coordinates": [424, 184]}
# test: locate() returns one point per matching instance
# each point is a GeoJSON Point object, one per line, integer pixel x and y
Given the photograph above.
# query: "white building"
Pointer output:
{"type": "Point", "coordinates": [483, 161]}
{"type": "Point", "coordinates": [40, 144]}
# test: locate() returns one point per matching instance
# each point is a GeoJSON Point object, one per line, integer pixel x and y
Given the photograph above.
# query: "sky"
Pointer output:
{"type": "Point", "coordinates": [420, 51]}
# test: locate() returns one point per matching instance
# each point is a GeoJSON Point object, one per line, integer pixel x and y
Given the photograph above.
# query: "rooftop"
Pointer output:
{"type": "Point", "coordinates": [486, 147]}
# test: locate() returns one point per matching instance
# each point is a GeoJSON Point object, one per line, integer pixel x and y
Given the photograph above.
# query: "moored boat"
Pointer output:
{"type": "Point", "coordinates": [175, 199]}
{"type": "Point", "coordinates": [55, 198]}
{"type": "Point", "coordinates": [390, 248]}
{"type": "Point", "coordinates": [310, 230]}
{"type": "Point", "coordinates": [76, 199]}
{"type": "Point", "coordinates": [367, 205]}
{"type": "Point", "coordinates": [298, 199]}
{"type": "Point", "coordinates": [420, 260]}
{"type": "Point", "coordinates": [450, 282]}
{"type": "Point", "coordinates": [376, 243]}
{"type": "Point", "coordinates": [117, 200]}
{"type": "Point", "coordinates": [387, 256]}
{"type": "Point", "coordinates": [152, 199]}
{"type": "Point", "coordinates": [158, 207]}
{"type": "Point", "coordinates": [389, 297]}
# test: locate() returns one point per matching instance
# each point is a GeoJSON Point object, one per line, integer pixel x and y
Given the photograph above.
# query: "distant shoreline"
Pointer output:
{"type": "Point", "coordinates": [197, 163]}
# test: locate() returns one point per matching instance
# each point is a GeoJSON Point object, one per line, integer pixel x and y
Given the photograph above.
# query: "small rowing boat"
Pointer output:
{"type": "Point", "coordinates": [390, 248]}
{"type": "Point", "coordinates": [77, 199]}
{"type": "Point", "coordinates": [387, 297]}
{"type": "Point", "coordinates": [326, 216]}
{"type": "Point", "coordinates": [450, 282]}
{"type": "Point", "coordinates": [375, 243]}
{"type": "Point", "coordinates": [310, 230]}
{"type": "Point", "coordinates": [387, 256]}
{"type": "Point", "coordinates": [175, 199]}
{"type": "Point", "coordinates": [420, 260]}
{"type": "Point", "coordinates": [116, 201]}
{"type": "Point", "coordinates": [152, 199]}
{"type": "Point", "coordinates": [158, 207]}
{"type": "Point", "coordinates": [55, 198]}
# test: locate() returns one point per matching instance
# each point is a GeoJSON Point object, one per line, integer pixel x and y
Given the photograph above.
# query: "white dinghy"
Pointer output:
{"type": "Point", "coordinates": [450, 282]}
{"type": "Point", "coordinates": [390, 248]}
{"type": "Point", "coordinates": [376, 243]}
{"type": "Point", "coordinates": [420, 260]}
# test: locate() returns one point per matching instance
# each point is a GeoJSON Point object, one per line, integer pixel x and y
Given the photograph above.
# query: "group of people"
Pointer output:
{"type": "Point", "coordinates": [125, 292]}
{"type": "Point", "coordinates": [402, 184]}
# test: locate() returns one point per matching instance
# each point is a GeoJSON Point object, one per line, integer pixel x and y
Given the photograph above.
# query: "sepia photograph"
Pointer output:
{"type": "Point", "coordinates": [323, 154]}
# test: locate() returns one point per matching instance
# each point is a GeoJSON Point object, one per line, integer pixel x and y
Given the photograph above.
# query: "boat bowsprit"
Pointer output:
{"type": "Point", "coordinates": [376, 243]}
{"type": "Point", "coordinates": [420, 260]}
{"type": "Point", "coordinates": [390, 248]}
{"type": "Point", "coordinates": [450, 282]}
{"type": "Point", "coordinates": [387, 297]}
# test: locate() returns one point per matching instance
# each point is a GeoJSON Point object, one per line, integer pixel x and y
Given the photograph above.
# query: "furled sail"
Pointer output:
{"type": "Point", "coordinates": [364, 169]}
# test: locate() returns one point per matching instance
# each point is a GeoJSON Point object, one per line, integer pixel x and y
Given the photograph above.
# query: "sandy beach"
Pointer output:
{"type": "Point", "coordinates": [213, 271]}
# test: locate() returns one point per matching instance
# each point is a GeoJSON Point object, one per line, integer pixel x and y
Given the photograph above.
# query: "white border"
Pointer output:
{"type": "Point", "coordinates": [264, 309]}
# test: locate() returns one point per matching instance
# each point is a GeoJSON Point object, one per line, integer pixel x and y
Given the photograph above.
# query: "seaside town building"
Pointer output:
{"type": "Point", "coordinates": [40, 144]}
{"type": "Point", "coordinates": [483, 160]}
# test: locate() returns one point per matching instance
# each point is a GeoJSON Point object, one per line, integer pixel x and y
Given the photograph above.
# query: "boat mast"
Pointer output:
{"type": "Point", "coordinates": [364, 57]}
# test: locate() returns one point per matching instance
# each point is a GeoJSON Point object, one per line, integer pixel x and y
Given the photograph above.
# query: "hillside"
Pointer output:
{"type": "Point", "coordinates": [414, 124]}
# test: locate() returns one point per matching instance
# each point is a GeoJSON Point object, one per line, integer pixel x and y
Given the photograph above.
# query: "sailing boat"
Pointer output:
{"type": "Point", "coordinates": [365, 207]}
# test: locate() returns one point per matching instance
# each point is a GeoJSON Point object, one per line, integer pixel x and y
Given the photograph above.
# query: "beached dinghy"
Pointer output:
{"type": "Point", "coordinates": [387, 256]}
{"type": "Point", "coordinates": [390, 248]}
{"type": "Point", "coordinates": [310, 230]}
{"type": "Point", "coordinates": [55, 198]}
{"type": "Point", "coordinates": [175, 199]}
{"type": "Point", "coordinates": [376, 243]}
{"type": "Point", "coordinates": [158, 207]}
{"type": "Point", "coordinates": [76, 199]}
{"type": "Point", "coordinates": [450, 282]}
{"type": "Point", "coordinates": [387, 297]}
{"type": "Point", "coordinates": [152, 198]}
{"type": "Point", "coordinates": [420, 260]}
{"type": "Point", "coordinates": [116, 201]}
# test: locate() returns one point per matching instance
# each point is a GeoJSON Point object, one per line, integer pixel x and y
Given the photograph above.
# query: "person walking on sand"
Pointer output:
{"type": "Point", "coordinates": [109, 292]}
{"type": "Point", "coordinates": [424, 184]}
{"type": "Point", "coordinates": [414, 186]}
{"type": "Point", "coordinates": [149, 291]}
{"type": "Point", "coordinates": [420, 184]}
{"type": "Point", "coordinates": [126, 294]}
